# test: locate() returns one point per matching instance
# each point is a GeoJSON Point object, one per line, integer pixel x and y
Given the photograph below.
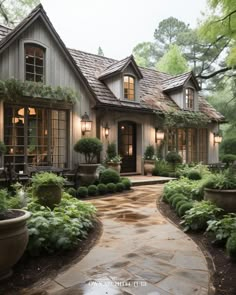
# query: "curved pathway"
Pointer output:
{"type": "Point", "coordinates": [139, 253]}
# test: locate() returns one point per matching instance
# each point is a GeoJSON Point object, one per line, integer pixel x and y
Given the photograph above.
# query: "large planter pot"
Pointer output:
{"type": "Point", "coordinates": [13, 241]}
{"type": "Point", "coordinates": [87, 173]}
{"type": "Point", "coordinates": [114, 166]}
{"type": "Point", "coordinates": [49, 195]}
{"type": "Point", "coordinates": [225, 199]}
{"type": "Point", "coordinates": [149, 165]}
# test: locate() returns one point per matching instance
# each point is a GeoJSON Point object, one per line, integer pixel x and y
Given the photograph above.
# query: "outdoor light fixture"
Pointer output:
{"type": "Point", "coordinates": [106, 129]}
{"type": "Point", "coordinates": [217, 138]}
{"type": "Point", "coordinates": [159, 135]}
{"type": "Point", "coordinates": [86, 123]}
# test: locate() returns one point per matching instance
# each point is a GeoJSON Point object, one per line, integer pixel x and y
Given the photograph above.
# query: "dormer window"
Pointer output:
{"type": "Point", "coordinates": [189, 98]}
{"type": "Point", "coordinates": [34, 63]}
{"type": "Point", "coordinates": [129, 88]}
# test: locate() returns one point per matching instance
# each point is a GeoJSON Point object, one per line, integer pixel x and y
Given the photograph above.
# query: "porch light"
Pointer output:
{"type": "Point", "coordinates": [106, 129]}
{"type": "Point", "coordinates": [86, 123]}
{"type": "Point", "coordinates": [159, 135]}
{"type": "Point", "coordinates": [217, 138]}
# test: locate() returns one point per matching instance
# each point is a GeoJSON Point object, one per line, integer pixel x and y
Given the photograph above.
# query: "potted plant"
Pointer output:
{"type": "Point", "coordinates": [149, 160]}
{"type": "Point", "coordinates": [13, 235]}
{"type": "Point", "coordinates": [113, 160]}
{"type": "Point", "coordinates": [173, 158]}
{"type": "Point", "coordinates": [221, 189]}
{"type": "Point", "coordinates": [3, 150]}
{"type": "Point", "coordinates": [47, 187]}
{"type": "Point", "coordinates": [89, 147]}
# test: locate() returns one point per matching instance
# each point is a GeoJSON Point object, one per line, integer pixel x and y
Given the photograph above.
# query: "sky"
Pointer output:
{"type": "Point", "coordinates": [116, 25]}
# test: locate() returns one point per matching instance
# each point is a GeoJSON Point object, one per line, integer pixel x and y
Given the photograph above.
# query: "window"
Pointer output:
{"type": "Point", "coordinates": [35, 136]}
{"type": "Point", "coordinates": [129, 85]}
{"type": "Point", "coordinates": [34, 63]}
{"type": "Point", "coordinates": [189, 98]}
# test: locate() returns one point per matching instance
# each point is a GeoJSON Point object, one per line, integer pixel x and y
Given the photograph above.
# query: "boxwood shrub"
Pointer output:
{"type": "Point", "coordinates": [111, 187]}
{"type": "Point", "coordinates": [102, 188]}
{"type": "Point", "coordinates": [109, 176]}
{"type": "Point", "coordinates": [71, 191]}
{"type": "Point", "coordinates": [92, 190]}
{"type": "Point", "coordinates": [127, 183]}
{"type": "Point", "coordinates": [82, 192]}
{"type": "Point", "coordinates": [120, 187]}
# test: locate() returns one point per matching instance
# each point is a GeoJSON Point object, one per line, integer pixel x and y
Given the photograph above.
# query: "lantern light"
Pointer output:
{"type": "Point", "coordinates": [86, 123]}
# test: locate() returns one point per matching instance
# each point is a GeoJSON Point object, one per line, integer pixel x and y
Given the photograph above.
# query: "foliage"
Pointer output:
{"type": "Point", "coordinates": [111, 151]}
{"type": "Point", "coordinates": [12, 11]}
{"type": "Point", "coordinates": [177, 199]}
{"type": "Point", "coordinates": [149, 152]}
{"type": "Point", "coordinates": [173, 158]}
{"type": "Point", "coordinates": [111, 187]}
{"type": "Point", "coordinates": [228, 159]}
{"type": "Point", "coordinates": [146, 54]}
{"type": "Point", "coordinates": [222, 228]}
{"type": "Point", "coordinates": [183, 208]}
{"type": "Point", "coordinates": [172, 62]}
{"type": "Point", "coordinates": [3, 148]}
{"type": "Point", "coordinates": [127, 183]}
{"type": "Point", "coordinates": [228, 146]}
{"type": "Point", "coordinates": [197, 217]}
{"type": "Point", "coordinates": [92, 190]}
{"type": "Point", "coordinates": [90, 147]}
{"type": "Point", "coordinates": [3, 201]}
{"type": "Point", "coordinates": [102, 188]}
{"type": "Point", "coordinates": [117, 159]}
{"type": "Point", "coordinates": [180, 203]}
{"type": "Point", "coordinates": [109, 175]}
{"type": "Point", "coordinates": [120, 187]}
{"type": "Point", "coordinates": [46, 178]}
{"type": "Point", "coordinates": [82, 192]}
{"type": "Point", "coordinates": [185, 169]}
{"type": "Point", "coordinates": [162, 168]}
{"type": "Point", "coordinates": [221, 181]}
{"type": "Point", "coordinates": [194, 174]}
{"type": "Point", "coordinates": [100, 51]}
{"type": "Point", "coordinates": [231, 246]}
{"type": "Point", "coordinates": [71, 191]}
{"type": "Point", "coordinates": [58, 229]}
{"type": "Point", "coordinates": [14, 90]}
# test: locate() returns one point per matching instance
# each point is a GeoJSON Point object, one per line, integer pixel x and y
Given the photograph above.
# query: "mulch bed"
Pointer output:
{"type": "Point", "coordinates": [224, 274]}
{"type": "Point", "coordinates": [30, 270]}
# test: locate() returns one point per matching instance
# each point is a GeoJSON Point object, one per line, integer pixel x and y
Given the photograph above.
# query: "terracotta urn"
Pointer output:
{"type": "Point", "coordinates": [225, 199]}
{"type": "Point", "coordinates": [149, 165]}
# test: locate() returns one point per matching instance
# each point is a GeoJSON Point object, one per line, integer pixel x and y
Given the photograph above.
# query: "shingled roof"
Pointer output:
{"type": "Point", "coordinates": [154, 85]}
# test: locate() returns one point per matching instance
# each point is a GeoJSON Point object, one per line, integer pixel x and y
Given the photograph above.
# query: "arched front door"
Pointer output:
{"type": "Point", "coordinates": [127, 145]}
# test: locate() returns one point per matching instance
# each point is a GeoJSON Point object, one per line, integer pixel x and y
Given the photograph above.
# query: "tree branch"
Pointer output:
{"type": "Point", "coordinates": [225, 17]}
{"type": "Point", "coordinates": [205, 77]}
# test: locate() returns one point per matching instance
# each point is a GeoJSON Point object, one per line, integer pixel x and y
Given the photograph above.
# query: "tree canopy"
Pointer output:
{"type": "Point", "coordinates": [146, 54]}
{"type": "Point", "coordinates": [100, 51]}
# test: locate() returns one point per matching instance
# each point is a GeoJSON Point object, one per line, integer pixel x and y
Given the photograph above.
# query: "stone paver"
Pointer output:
{"type": "Point", "coordinates": [139, 253]}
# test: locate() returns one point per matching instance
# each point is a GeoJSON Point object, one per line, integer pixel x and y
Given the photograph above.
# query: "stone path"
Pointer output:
{"type": "Point", "coordinates": [139, 253]}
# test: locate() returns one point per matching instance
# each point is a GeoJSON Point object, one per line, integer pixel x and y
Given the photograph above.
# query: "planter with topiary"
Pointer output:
{"type": "Point", "coordinates": [47, 187]}
{"type": "Point", "coordinates": [113, 160]}
{"type": "Point", "coordinates": [13, 235]}
{"type": "Point", "coordinates": [90, 148]}
{"type": "Point", "coordinates": [149, 160]}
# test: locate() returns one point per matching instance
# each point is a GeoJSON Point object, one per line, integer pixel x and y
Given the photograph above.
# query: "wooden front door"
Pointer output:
{"type": "Point", "coordinates": [127, 145]}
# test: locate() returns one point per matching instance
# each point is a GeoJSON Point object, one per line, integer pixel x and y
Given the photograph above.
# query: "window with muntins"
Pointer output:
{"type": "Point", "coordinates": [34, 63]}
{"type": "Point", "coordinates": [129, 88]}
{"type": "Point", "coordinates": [189, 98]}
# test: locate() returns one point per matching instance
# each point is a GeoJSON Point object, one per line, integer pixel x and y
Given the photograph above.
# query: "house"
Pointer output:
{"type": "Point", "coordinates": [120, 101]}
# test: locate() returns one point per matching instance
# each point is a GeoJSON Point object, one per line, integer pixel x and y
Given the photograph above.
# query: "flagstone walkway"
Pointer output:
{"type": "Point", "coordinates": [139, 253]}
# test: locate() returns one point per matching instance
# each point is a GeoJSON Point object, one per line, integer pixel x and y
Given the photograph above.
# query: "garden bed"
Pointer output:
{"type": "Point", "coordinates": [30, 270]}
{"type": "Point", "coordinates": [225, 270]}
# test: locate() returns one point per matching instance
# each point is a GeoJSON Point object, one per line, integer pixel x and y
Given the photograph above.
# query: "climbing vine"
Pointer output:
{"type": "Point", "coordinates": [13, 89]}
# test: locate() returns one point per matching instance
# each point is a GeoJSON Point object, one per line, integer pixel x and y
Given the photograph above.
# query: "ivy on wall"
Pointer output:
{"type": "Point", "coordinates": [182, 119]}
{"type": "Point", "coordinates": [13, 89]}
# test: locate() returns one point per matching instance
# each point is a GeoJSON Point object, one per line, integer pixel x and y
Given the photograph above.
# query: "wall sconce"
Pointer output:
{"type": "Point", "coordinates": [106, 129]}
{"type": "Point", "coordinates": [159, 135]}
{"type": "Point", "coordinates": [86, 124]}
{"type": "Point", "coordinates": [217, 138]}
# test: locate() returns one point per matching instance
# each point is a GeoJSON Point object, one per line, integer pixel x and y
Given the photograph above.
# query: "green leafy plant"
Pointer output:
{"type": "Point", "coordinates": [162, 168]}
{"type": "Point", "coordinates": [180, 203]}
{"type": "Point", "coordinates": [221, 181]}
{"type": "Point", "coordinates": [231, 246]}
{"type": "Point", "coordinates": [111, 187]}
{"type": "Point", "coordinates": [3, 148]}
{"type": "Point", "coordinates": [149, 153]}
{"type": "Point", "coordinates": [173, 158]}
{"type": "Point", "coordinates": [82, 192]}
{"type": "Point", "coordinates": [109, 175]}
{"type": "Point", "coordinates": [194, 175]}
{"type": "Point", "coordinates": [58, 229]}
{"type": "Point", "coordinates": [228, 159]}
{"type": "Point", "coordinates": [184, 208]}
{"type": "Point", "coordinates": [92, 190]}
{"type": "Point", "coordinates": [120, 187]}
{"type": "Point", "coordinates": [46, 178]}
{"type": "Point", "coordinates": [90, 147]}
{"type": "Point", "coordinates": [3, 202]}
{"type": "Point", "coordinates": [127, 183]}
{"type": "Point", "coordinates": [71, 191]}
{"type": "Point", "coordinates": [197, 217]}
{"type": "Point", "coordinates": [111, 151]}
{"type": "Point", "coordinates": [102, 188]}
{"type": "Point", "coordinates": [222, 228]}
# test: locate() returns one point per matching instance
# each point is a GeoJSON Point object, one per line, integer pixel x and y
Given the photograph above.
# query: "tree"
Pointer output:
{"type": "Point", "coordinates": [173, 62]}
{"type": "Point", "coordinates": [168, 32]}
{"type": "Point", "coordinates": [146, 54]}
{"type": "Point", "coordinates": [13, 11]}
{"type": "Point", "coordinates": [100, 51]}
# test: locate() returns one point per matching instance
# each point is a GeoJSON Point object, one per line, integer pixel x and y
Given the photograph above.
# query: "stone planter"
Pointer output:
{"type": "Point", "coordinates": [225, 199]}
{"type": "Point", "coordinates": [87, 173]}
{"type": "Point", "coordinates": [114, 166]}
{"type": "Point", "coordinates": [13, 241]}
{"type": "Point", "coordinates": [149, 165]}
{"type": "Point", "coordinates": [49, 195]}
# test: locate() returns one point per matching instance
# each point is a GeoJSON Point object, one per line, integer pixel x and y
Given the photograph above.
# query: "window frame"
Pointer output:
{"type": "Point", "coordinates": [123, 86]}
{"type": "Point", "coordinates": [187, 99]}
{"type": "Point", "coordinates": [34, 65]}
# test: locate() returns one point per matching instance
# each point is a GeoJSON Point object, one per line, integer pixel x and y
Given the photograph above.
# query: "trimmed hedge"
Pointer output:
{"type": "Point", "coordinates": [92, 190]}
{"type": "Point", "coordinates": [111, 187]}
{"type": "Point", "coordinates": [82, 192]}
{"type": "Point", "coordinates": [102, 188]}
{"type": "Point", "coordinates": [120, 187]}
{"type": "Point", "coordinates": [185, 207]}
{"type": "Point", "coordinates": [109, 176]}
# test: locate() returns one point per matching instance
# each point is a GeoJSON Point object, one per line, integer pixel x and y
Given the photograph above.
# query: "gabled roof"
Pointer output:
{"type": "Point", "coordinates": [119, 67]}
{"type": "Point", "coordinates": [175, 82]}
{"type": "Point", "coordinates": [4, 31]}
